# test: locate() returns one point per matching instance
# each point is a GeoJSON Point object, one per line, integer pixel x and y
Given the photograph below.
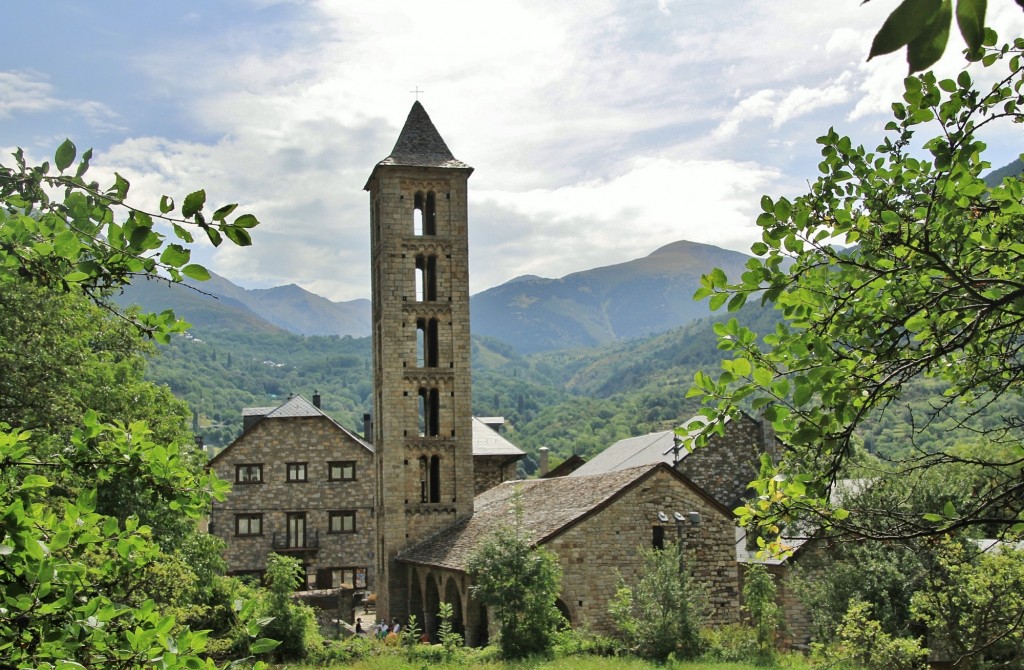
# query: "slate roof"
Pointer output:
{"type": "Point", "coordinates": [294, 407]}
{"type": "Point", "coordinates": [419, 144]}
{"type": "Point", "coordinates": [488, 442]}
{"type": "Point", "coordinates": [550, 506]}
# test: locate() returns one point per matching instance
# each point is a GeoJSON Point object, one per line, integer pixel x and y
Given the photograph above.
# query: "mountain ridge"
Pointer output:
{"type": "Point", "coordinates": [588, 308]}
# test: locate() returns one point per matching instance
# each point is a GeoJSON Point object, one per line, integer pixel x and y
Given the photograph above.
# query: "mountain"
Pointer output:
{"type": "Point", "coordinates": [594, 307]}
{"type": "Point", "coordinates": [532, 314]}
{"type": "Point", "coordinates": [218, 302]}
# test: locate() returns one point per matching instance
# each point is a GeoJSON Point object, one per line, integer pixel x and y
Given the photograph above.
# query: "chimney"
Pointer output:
{"type": "Point", "coordinates": [368, 428]}
{"type": "Point", "coordinates": [316, 399]}
{"type": "Point", "coordinates": [543, 461]}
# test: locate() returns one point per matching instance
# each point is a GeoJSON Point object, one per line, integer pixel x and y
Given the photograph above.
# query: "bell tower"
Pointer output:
{"type": "Point", "coordinates": [422, 428]}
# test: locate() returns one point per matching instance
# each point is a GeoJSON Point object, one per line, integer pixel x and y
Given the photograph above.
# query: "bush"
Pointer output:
{"type": "Point", "coordinates": [294, 624]}
{"type": "Point", "coordinates": [661, 614]}
{"type": "Point", "coordinates": [759, 593]}
{"type": "Point", "coordinates": [573, 642]}
{"type": "Point", "coordinates": [731, 643]}
{"type": "Point", "coordinates": [863, 644]}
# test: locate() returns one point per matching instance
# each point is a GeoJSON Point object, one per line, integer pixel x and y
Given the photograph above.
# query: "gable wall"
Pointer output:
{"type": "Point", "coordinates": [727, 464]}
{"type": "Point", "coordinates": [274, 443]}
{"type": "Point", "coordinates": [593, 553]}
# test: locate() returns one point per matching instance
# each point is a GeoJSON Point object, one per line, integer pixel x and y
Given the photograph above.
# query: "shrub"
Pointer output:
{"type": "Point", "coordinates": [661, 614]}
{"type": "Point", "coordinates": [731, 643]}
{"type": "Point", "coordinates": [521, 583]}
{"type": "Point", "coordinates": [294, 624]}
{"type": "Point", "coordinates": [863, 644]}
{"type": "Point", "coordinates": [759, 593]}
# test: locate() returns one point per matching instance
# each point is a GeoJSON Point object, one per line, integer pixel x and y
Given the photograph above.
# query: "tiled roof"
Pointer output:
{"type": "Point", "coordinates": [419, 144]}
{"type": "Point", "coordinates": [488, 442]}
{"type": "Point", "coordinates": [549, 507]}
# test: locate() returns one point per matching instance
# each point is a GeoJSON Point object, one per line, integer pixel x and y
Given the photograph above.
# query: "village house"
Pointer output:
{"type": "Point", "coordinates": [596, 525]}
{"type": "Point", "coordinates": [302, 485]}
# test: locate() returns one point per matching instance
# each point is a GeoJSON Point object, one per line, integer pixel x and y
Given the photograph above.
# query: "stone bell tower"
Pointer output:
{"type": "Point", "coordinates": [422, 428]}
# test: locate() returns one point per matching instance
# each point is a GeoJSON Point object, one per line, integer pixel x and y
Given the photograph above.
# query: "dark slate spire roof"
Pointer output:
{"type": "Point", "coordinates": [419, 144]}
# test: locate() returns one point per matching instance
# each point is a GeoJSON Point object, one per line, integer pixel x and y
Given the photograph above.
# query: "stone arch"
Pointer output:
{"type": "Point", "coordinates": [453, 595]}
{"type": "Point", "coordinates": [563, 609]}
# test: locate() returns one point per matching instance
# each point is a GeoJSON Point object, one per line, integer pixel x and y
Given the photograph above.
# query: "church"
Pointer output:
{"type": "Point", "coordinates": [405, 505]}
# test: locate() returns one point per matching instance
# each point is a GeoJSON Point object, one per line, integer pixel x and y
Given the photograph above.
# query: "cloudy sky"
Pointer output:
{"type": "Point", "coordinates": [599, 130]}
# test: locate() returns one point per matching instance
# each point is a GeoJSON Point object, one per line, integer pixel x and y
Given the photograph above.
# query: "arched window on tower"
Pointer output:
{"type": "Point", "coordinates": [424, 478]}
{"type": "Point", "coordinates": [417, 213]}
{"type": "Point", "coordinates": [435, 479]}
{"type": "Point", "coordinates": [430, 215]}
{"type": "Point", "coordinates": [426, 278]}
{"type": "Point", "coordinates": [426, 343]}
{"type": "Point", "coordinates": [429, 412]}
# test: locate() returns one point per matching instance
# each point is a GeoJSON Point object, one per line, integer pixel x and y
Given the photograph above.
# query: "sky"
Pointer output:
{"type": "Point", "coordinates": [599, 131]}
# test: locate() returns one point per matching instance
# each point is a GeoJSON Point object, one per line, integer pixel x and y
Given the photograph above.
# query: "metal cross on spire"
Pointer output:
{"type": "Point", "coordinates": [417, 91]}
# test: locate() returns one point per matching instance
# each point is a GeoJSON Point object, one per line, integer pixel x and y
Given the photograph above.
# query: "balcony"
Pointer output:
{"type": "Point", "coordinates": [297, 544]}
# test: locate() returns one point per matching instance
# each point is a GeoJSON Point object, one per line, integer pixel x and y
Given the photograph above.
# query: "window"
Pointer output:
{"type": "Point", "coordinates": [296, 530]}
{"type": "Point", "coordinates": [296, 472]}
{"type": "Point", "coordinates": [426, 278]}
{"type": "Point", "coordinates": [342, 522]}
{"type": "Point", "coordinates": [429, 410]}
{"type": "Point", "coordinates": [340, 471]}
{"type": "Point", "coordinates": [336, 578]}
{"type": "Point", "coordinates": [658, 537]}
{"type": "Point", "coordinates": [424, 214]}
{"type": "Point", "coordinates": [248, 524]}
{"type": "Point", "coordinates": [426, 343]}
{"type": "Point", "coordinates": [249, 473]}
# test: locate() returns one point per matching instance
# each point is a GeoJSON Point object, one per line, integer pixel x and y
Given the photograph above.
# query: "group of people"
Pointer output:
{"type": "Point", "coordinates": [381, 630]}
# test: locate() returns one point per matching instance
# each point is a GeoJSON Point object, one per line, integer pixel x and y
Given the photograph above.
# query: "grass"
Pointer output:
{"type": "Point", "coordinates": [398, 662]}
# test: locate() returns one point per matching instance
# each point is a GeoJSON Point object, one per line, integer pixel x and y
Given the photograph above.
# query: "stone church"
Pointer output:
{"type": "Point", "coordinates": [404, 506]}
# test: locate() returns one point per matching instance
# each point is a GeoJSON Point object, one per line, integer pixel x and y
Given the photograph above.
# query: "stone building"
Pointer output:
{"type": "Point", "coordinates": [596, 525]}
{"type": "Point", "coordinates": [302, 485]}
{"type": "Point", "coordinates": [423, 429]}
{"type": "Point", "coordinates": [724, 467]}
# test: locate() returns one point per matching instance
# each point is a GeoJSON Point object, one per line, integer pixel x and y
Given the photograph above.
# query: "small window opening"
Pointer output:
{"type": "Point", "coordinates": [426, 343]}
{"type": "Point", "coordinates": [429, 412]}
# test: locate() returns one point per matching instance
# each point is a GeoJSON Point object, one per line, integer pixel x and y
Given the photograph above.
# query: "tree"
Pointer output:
{"type": "Point", "coordinates": [930, 288]}
{"type": "Point", "coordinates": [521, 583]}
{"type": "Point", "coordinates": [73, 579]}
{"type": "Point", "coordinates": [661, 614]}
{"type": "Point", "coordinates": [923, 26]}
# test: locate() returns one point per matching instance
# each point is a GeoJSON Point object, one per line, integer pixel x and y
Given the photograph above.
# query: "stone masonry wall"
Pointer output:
{"type": "Point", "coordinates": [274, 443]}
{"type": "Point", "coordinates": [727, 464]}
{"type": "Point", "coordinates": [595, 552]}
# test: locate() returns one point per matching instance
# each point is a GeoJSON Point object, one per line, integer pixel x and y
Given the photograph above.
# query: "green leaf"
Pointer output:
{"type": "Point", "coordinates": [926, 49]}
{"type": "Point", "coordinates": [65, 155]}
{"type": "Point", "coordinates": [166, 204]}
{"type": "Point", "coordinates": [175, 255]}
{"type": "Point", "coordinates": [244, 221]}
{"type": "Point", "coordinates": [903, 26]}
{"type": "Point", "coordinates": [197, 272]}
{"type": "Point", "coordinates": [238, 235]}
{"type": "Point", "coordinates": [193, 203]}
{"type": "Point", "coordinates": [223, 212]}
{"type": "Point", "coordinates": [970, 18]}
{"type": "Point", "coordinates": [263, 645]}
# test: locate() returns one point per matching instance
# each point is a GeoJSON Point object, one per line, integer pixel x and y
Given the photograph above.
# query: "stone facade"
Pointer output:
{"type": "Point", "coordinates": [726, 465]}
{"type": "Point", "coordinates": [489, 471]}
{"type": "Point", "coordinates": [596, 525]}
{"type": "Point", "coordinates": [323, 517]}
{"type": "Point", "coordinates": [419, 248]}
{"type": "Point", "coordinates": [594, 553]}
